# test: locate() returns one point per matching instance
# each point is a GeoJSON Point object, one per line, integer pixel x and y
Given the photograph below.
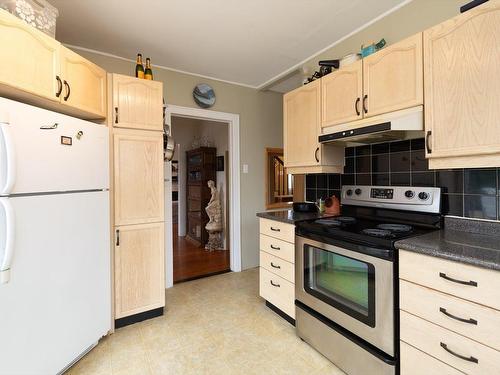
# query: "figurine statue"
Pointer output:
{"type": "Point", "coordinates": [215, 225]}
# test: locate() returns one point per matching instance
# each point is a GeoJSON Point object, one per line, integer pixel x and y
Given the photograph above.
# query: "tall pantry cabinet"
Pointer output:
{"type": "Point", "coordinates": [136, 126]}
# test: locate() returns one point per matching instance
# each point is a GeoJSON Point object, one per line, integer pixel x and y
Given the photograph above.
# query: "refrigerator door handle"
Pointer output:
{"type": "Point", "coordinates": [8, 250]}
{"type": "Point", "coordinates": [9, 154]}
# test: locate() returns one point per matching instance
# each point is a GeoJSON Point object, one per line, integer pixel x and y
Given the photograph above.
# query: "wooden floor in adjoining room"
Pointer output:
{"type": "Point", "coordinates": [191, 261]}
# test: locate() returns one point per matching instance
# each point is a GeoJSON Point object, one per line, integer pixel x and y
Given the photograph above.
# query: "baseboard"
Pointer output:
{"type": "Point", "coordinates": [136, 318]}
{"type": "Point", "coordinates": [281, 313]}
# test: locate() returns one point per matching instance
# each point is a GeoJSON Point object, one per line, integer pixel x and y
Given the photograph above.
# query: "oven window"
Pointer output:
{"type": "Point", "coordinates": [345, 283]}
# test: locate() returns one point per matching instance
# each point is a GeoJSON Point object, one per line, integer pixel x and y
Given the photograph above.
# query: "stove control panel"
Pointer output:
{"type": "Point", "coordinates": [382, 193]}
{"type": "Point", "coordinates": [422, 199]}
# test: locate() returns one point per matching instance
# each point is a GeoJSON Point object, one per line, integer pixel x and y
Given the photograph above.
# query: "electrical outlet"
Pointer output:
{"type": "Point", "coordinates": [245, 168]}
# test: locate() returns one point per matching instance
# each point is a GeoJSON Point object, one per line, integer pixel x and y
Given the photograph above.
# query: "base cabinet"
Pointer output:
{"type": "Point", "coordinates": [449, 317]}
{"type": "Point", "coordinates": [277, 265]}
{"type": "Point", "coordinates": [139, 268]}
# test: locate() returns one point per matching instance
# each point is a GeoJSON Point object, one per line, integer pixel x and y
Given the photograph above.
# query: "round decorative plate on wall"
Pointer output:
{"type": "Point", "coordinates": [204, 95]}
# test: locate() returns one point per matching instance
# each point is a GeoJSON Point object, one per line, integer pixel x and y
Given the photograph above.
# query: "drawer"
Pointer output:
{"type": "Point", "coordinates": [278, 266]}
{"type": "Point", "coordinates": [277, 229]}
{"type": "Point", "coordinates": [416, 362]}
{"type": "Point", "coordinates": [278, 291]}
{"type": "Point", "coordinates": [449, 277]}
{"type": "Point", "coordinates": [279, 248]}
{"type": "Point", "coordinates": [445, 310]}
{"type": "Point", "coordinates": [430, 338]}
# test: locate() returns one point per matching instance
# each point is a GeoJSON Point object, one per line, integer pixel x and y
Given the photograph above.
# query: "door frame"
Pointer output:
{"type": "Point", "coordinates": [233, 121]}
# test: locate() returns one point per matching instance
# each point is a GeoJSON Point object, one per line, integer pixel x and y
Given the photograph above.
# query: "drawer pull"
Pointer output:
{"type": "Point", "coordinates": [444, 276]}
{"type": "Point", "coordinates": [275, 285]}
{"type": "Point", "coordinates": [275, 247]}
{"type": "Point", "coordinates": [275, 229]}
{"type": "Point", "coordinates": [470, 321]}
{"type": "Point", "coordinates": [274, 266]}
{"type": "Point", "coordinates": [468, 359]}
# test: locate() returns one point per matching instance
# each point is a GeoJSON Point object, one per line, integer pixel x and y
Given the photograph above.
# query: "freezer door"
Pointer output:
{"type": "Point", "coordinates": [57, 302]}
{"type": "Point", "coordinates": [45, 151]}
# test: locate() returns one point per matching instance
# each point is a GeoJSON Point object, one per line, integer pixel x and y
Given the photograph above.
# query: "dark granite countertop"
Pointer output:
{"type": "Point", "coordinates": [471, 242]}
{"type": "Point", "coordinates": [291, 217]}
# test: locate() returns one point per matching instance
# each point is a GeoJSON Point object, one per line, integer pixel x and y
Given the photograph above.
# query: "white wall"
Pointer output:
{"type": "Point", "coordinates": [184, 131]}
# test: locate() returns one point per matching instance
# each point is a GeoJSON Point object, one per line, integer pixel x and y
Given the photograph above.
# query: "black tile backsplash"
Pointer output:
{"type": "Point", "coordinates": [471, 193]}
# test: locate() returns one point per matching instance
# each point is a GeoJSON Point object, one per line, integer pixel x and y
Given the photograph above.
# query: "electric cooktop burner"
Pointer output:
{"type": "Point", "coordinates": [346, 219]}
{"type": "Point", "coordinates": [397, 228]}
{"type": "Point", "coordinates": [380, 233]}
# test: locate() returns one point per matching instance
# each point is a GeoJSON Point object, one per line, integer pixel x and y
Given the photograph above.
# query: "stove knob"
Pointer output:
{"type": "Point", "coordinates": [423, 196]}
{"type": "Point", "coordinates": [358, 191]}
{"type": "Point", "coordinates": [349, 192]}
{"type": "Point", "coordinates": [409, 194]}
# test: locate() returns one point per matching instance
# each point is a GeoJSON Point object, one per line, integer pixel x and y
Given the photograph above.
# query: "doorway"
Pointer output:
{"type": "Point", "coordinates": [212, 139]}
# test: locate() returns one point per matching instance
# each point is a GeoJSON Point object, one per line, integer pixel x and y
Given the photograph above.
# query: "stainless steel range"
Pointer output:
{"type": "Point", "coordinates": [346, 274]}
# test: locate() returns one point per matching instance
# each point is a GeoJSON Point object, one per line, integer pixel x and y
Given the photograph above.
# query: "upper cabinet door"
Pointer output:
{"type": "Point", "coordinates": [462, 89]}
{"type": "Point", "coordinates": [84, 84]}
{"type": "Point", "coordinates": [138, 170]}
{"type": "Point", "coordinates": [301, 116]}
{"type": "Point", "coordinates": [393, 77]}
{"type": "Point", "coordinates": [32, 58]}
{"type": "Point", "coordinates": [342, 92]}
{"type": "Point", "coordinates": [137, 103]}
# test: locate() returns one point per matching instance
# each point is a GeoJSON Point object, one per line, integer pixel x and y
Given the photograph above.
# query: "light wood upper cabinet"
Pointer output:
{"type": "Point", "coordinates": [462, 90]}
{"type": "Point", "coordinates": [138, 176]}
{"type": "Point", "coordinates": [301, 116]}
{"type": "Point", "coordinates": [393, 77]}
{"type": "Point", "coordinates": [301, 124]}
{"type": "Point", "coordinates": [137, 103]}
{"type": "Point", "coordinates": [341, 94]}
{"type": "Point", "coordinates": [32, 58]}
{"type": "Point", "coordinates": [139, 268]}
{"type": "Point", "coordinates": [84, 83]}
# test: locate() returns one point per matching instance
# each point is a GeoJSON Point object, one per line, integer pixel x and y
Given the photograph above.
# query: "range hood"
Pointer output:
{"type": "Point", "coordinates": [393, 126]}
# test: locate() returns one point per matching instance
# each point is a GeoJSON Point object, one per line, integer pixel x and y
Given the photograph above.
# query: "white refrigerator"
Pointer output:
{"type": "Point", "coordinates": [55, 281]}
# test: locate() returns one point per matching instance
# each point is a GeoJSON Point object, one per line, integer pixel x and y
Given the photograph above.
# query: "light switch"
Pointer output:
{"type": "Point", "coordinates": [245, 168]}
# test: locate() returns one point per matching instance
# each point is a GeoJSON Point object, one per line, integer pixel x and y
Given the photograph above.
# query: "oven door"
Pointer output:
{"type": "Point", "coordinates": [352, 289]}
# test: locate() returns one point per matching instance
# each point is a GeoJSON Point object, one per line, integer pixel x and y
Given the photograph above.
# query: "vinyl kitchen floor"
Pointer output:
{"type": "Point", "coordinates": [217, 325]}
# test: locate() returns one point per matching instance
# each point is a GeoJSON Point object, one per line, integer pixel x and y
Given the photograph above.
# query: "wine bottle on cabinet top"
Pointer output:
{"type": "Point", "coordinates": [139, 68]}
{"type": "Point", "coordinates": [148, 74]}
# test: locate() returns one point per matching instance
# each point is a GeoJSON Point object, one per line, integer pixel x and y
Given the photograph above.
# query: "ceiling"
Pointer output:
{"type": "Point", "coordinates": [251, 43]}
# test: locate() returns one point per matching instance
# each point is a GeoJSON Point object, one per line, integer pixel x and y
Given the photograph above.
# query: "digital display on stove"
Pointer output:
{"type": "Point", "coordinates": [382, 193]}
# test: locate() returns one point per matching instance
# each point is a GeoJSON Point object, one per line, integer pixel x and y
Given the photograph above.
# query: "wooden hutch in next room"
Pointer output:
{"type": "Point", "coordinates": [201, 167]}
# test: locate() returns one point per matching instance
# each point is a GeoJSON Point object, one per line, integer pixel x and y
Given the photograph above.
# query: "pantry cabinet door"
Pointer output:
{"type": "Point", "coordinates": [301, 116]}
{"type": "Point", "coordinates": [342, 92]}
{"type": "Point", "coordinates": [138, 176]}
{"type": "Point", "coordinates": [137, 103]}
{"type": "Point", "coordinates": [31, 58]}
{"type": "Point", "coordinates": [139, 268]}
{"type": "Point", "coordinates": [462, 90]}
{"type": "Point", "coordinates": [393, 77]}
{"type": "Point", "coordinates": [84, 84]}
